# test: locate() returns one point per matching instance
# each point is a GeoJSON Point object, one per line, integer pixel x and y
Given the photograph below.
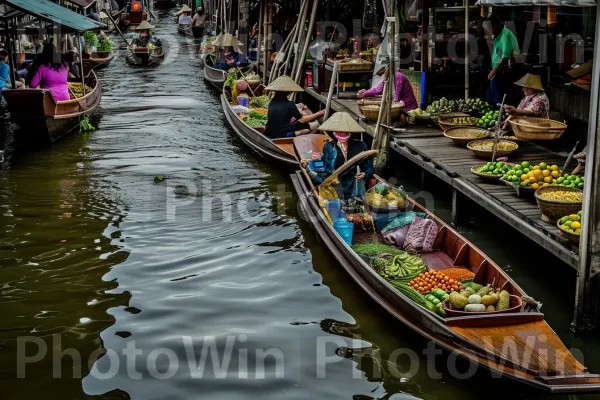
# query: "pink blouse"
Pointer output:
{"type": "Point", "coordinates": [404, 92]}
{"type": "Point", "coordinates": [537, 103]}
{"type": "Point", "coordinates": [46, 77]}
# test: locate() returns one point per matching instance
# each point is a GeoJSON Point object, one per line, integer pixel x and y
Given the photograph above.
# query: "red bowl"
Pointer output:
{"type": "Point", "coordinates": [515, 306]}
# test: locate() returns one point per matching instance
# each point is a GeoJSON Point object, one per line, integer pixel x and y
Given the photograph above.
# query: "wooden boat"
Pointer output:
{"type": "Point", "coordinates": [520, 345]}
{"type": "Point", "coordinates": [185, 29]}
{"type": "Point", "coordinates": [144, 56]}
{"type": "Point", "coordinates": [280, 150]}
{"type": "Point", "coordinates": [100, 60]}
{"type": "Point", "coordinates": [40, 116]}
{"type": "Point", "coordinates": [216, 77]}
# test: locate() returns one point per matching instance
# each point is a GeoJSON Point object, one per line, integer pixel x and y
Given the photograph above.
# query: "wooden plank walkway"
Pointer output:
{"type": "Point", "coordinates": [438, 155]}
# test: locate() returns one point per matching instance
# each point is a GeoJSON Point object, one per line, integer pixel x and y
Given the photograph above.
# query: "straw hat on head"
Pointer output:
{"type": "Point", "coordinates": [144, 26]}
{"type": "Point", "coordinates": [227, 40]}
{"type": "Point", "coordinates": [185, 8]}
{"type": "Point", "coordinates": [284, 84]}
{"type": "Point", "coordinates": [341, 122]}
{"type": "Point", "coordinates": [531, 81]}
{"type": "Point", "coordinates": [214, 40]}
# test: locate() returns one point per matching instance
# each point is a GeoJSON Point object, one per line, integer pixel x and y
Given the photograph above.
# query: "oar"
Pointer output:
{"type": "Point", "coordinates": [244, 78]}
{"type": "Point", "coordinates": [570, 157]}
{"type": "Point", "coordinates": [312, 187]}
{"type": "Point", "coordinates": [121, 34]}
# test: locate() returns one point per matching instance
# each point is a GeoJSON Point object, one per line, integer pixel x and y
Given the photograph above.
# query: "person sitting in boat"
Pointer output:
{"type": "Point", "coordinates": [184, 17]}
{"type": "Point", "coordinates": [404, 91]}
{"type": "Point", "coordinates": [345, 145]}
{"type": "Point", "coordinates": [52, 74]}
{"type": "Point", "coordinates": [535, 103]}
{"type": "Point", "coordinates": [144, 34]}
{"type": "Point", "coordinates": [229, 58]}
{"type": "Point", "coordinates": [284, 119]}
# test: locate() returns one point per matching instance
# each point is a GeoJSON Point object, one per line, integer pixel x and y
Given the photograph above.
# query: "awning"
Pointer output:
{"type": "Point", "coordinates": [82, 3]}
{"type": "Point", "coordinates": [540, 3]}
{"type": "Point", "coordinates": [68, 20]}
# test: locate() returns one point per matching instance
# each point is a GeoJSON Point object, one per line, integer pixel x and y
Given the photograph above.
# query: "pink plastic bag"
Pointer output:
{"type": "Point", "coordinates": [421, 235]}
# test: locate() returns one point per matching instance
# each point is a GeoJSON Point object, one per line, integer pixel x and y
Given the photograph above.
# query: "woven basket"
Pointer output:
{"type": "Point", "coordinates": [553, 210]}
{"type": "Point", "coordinates": [487, 176]}
{"type": "Point", "coordinates": [371, 111]}
{"type": "Point", "coordinates": [464, 134]}
{"type": "Point", "coordinates": [573, 237]}
{"type": "Point", "coordinates": [537, 128]}
{"type": "Point", "coordinates": [436, 118]}
{"type": "Point", "coordinates": [486, 152]}
{"type": "Point", "coordinates": [367, 66]}
{"type": "Point", "coordinates": [452, 122]}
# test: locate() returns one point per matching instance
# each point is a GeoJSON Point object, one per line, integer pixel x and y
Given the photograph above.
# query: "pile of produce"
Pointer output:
{"type": "Point", "coordinates": [561, 195]}
{"type": "Point", "coordinates": [534, 177]}
{"type": "Point", "coordinates": [418, 113]}
{"type": "Point", "coordinates": [498, 168]}
{"type": "Point", "coordinates": [385, 196]}
{"type": "Point", "coordinates": [485, 300]}
{"type": "Point", "coordinates": [572, 181]}
{"type": "Point", "coordinates": [426, 282]}
{"type": "Point", "coordinates": [459, 274]}
{"type": "Point", "coordinates": [488, 119]}
{"type": "Point", "coordinates": [432, 302]}
{"type": "Point", "coordinates": [106, 45]}
{"type": "Point", "coordinates": [253, 77]}
{"type": "Point", "coordinates": [75, 89]}
{"type": "Point", "coordinates": [460, 121]}
{"type": "Point", "coordinates": [257, 118]}
{"type": "Point", "coordinates": [571, 223]}
{"type": "Point", "coordinates": [401, 266]}
{"type": "Point", "coordinates": [487, 145]}
{"type": "Point", "coordinates": [259, 102]}
{"type": "Point", "coordinates": [361, 221]}
{"type": "Point", "coordinates": [445, 106]}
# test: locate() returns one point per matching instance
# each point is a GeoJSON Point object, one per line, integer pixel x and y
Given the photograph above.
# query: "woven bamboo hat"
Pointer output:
{"type": "Point", "coordinates": [185, 8]}
{"type": "Point", "coordinates": [215, 39]}
{"type": "Point", "coordinates": [531, 81]}
{"type": "Point", "coordinates": [341, 122]}
{"type": "Point", "coordinates": [284, 84]}
{"type": "Point", "coordinates": [227, 40]}
{"type": "Point", "coordinates": [144, 26]}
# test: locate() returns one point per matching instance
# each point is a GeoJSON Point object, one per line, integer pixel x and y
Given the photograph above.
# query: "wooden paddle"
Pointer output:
{"type": "Point", "coordinates": [121, 34]}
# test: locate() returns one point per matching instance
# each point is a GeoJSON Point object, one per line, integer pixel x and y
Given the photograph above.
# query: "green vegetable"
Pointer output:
{"type": "Point", "coordinates": [259, 102]}
{"type": "Point", "coordinates": [375, 248]}
{"type": "Point", "coordinates": [430, 306]}
{"type": "Point", "coordinates": [440, 294]}
{"type": "Point", "coordinates": [159, 179]}
{"type": "Point", "coordinates": [440, 310]}
{"type": "Point", "coordinates": [431, 298]}
{"type": "Point", "coordinates": [485, 290]}
{"type": "Point", "coordinates": [106, 45]}
{"type": "Point", "coordinates": [257, 115]}
{"type": "Point", "coordinates": [504, 301]}
{"type": "Point", "coordinates": [470, 284]}
{"type": "Point", "coordinates": [255, 123]}
{"type": "Point", "coordinates": [86, 126]}
{"type": "Point", "coordinates": [410, 293]}
{"type": "Point", "coordinates": [90, 39]}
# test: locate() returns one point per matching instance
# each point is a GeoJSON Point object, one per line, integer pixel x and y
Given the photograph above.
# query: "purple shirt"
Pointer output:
{"type": "Point", "coordinates": [47, 77]}
{"type": "Point", "coordinates": [404, 92]}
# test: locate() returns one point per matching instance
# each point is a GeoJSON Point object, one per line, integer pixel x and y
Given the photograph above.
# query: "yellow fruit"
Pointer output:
{"type": "Point", "coordinates": [530, 174]}
{"type": "Point", "coordinates": [575, 225]}
{"type": "Point", "coordinates": [548, 179]}
{"type": "Point", "coordinates": [532, 179]}
{"type": "Point", "coordinates": [545, 184]}
{"type": "Point", "coordinates": [578, 231]}
{"type": "Point", "coordinates": [555, 174]}
{"type": "Point", "coordinates": [546, 172]}
{"type": "Point", "coordinates": [574, 217]}
{"type": "Point", "coordinates": [554, 168]}
{"type": "Point", "coordinates": [535, 186]}
{"type": "Point", "coordinates": [524, 177]}
{"type": "Point", "coordinates": [537, 167]}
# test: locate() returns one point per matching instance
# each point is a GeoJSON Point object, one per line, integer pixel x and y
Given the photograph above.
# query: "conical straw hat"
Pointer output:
{"type": "Point", "coordinates": [531, 81]}
{"type": "Point", "coordinates": [185, 8]}
{"type": "Point", "coordinates": [227, 40]}
{"type": "Point", "coordinates": [284, 84]}
{"type": "Point", "coordinates": [144, 25]}
{"type": "Point", "coordinates": [215, 39]}
{"type": "Point", "coordinates": [341, 122]}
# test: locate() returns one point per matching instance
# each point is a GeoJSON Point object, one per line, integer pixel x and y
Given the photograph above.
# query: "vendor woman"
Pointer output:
{"type": "Point", "coordinates": [404, 91]}
{"type": "Point", "coordinates": [535, 103]}
{"type": "Point", "coordinates": [284, 117]}
{"type": "Point", "coordinates": [346, 144]}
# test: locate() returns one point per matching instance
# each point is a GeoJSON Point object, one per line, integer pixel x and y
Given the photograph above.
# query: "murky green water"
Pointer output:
{"type": "Point", "coordinates": [207, 285]}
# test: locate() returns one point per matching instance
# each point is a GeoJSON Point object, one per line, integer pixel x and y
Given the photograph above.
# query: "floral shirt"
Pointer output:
{"type": "Point", "coordinates": [537, 103]}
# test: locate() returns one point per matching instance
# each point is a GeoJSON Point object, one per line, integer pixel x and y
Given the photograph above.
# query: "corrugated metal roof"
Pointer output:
{"type": "Point", "coordinates": [542, 3]}
{"type": "Point", "coordinates": [49, 12]}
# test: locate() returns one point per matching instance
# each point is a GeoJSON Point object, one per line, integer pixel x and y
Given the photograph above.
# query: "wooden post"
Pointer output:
{"type": "Point", "coordinates": [243, 23]}
{"type": "Point", "coordinates": [11, 54]}
{"type": "Point", "coordinates": [467, 63]}
{"type": "Point", "coordinates": [259, 37]}
{"type": "Point", "coordinates": [302, 55]}
{"type": "Point", "coordinates": [334, 79]}
{"type": "Point", "coordinates": [295, 45]}
{"type": "Point", "coordinates": [81, 74]}
{"type": "Point", "coordinates": [587, 296]}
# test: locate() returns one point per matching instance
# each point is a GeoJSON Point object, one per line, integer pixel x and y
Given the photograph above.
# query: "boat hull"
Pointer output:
{"type": "Point", "coordinates": [98, 62]}
{"type": "Point", "coordinates": [256, 140]}
{"type": "Point", "coordinates": [215, 77]}
{"type": "Point", "coordinates": [165, 3]}
{"type": "Point", "coordinates": [433, 327]}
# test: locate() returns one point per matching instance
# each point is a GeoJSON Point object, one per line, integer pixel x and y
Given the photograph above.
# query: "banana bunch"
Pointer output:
{"type": "Point", "coordinates": [399, 267]}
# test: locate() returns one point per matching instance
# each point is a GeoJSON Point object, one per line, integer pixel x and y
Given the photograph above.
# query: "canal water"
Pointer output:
{"type": "Point", "coordinates": [207, 284]}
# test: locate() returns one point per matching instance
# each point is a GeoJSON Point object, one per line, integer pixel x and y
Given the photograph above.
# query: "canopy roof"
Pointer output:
{"type": "Point", "coordinates": [82, 3]}
{"type": "Point", "coordinates": [559, 3]}
{"type": "Point", "coordinates": [68, 20]}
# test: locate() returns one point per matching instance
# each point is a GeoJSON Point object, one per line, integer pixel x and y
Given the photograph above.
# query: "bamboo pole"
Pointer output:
{"type": "Point", "coordinates": [298, 28]}
{"type": "Point", "coordinates": [265, 36]}
{"type": "Point", "coordinates": [467, 63]}
{"type": "Point", "coordinates": [259, 37]}
{"type": "Point", "coordinates": [285, 50]}
{"type": "Point", "coordinates": [334, 79]}
{"type": "Point", "coordinates": [302, 55]}
{"type": "Point", "coordinates": [269, 36]}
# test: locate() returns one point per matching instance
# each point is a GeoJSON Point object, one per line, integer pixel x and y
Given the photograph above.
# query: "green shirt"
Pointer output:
{"type": "Point", "coordinates": [504, 45]}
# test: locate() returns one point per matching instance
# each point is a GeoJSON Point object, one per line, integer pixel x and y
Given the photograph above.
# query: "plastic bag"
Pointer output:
{"type": "Point", "coordinates": [241, 109]}
{"type": "Point", "coordinates": [384, 196]}
{"type": "Point", "coordinates": [358, 189]}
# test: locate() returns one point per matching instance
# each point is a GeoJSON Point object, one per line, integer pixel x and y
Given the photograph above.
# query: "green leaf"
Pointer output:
{"type": "Point", "coordinates": [159, 179]}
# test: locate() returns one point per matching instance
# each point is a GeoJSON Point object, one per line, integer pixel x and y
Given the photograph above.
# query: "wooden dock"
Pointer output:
{"type": "Point", "coordinates": [429, 149]}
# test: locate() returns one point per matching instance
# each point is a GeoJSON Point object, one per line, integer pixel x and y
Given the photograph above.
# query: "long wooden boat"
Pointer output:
{"type": "Point", "coordinates": [41, 117]}
{"type": "Point", "coordinates": [216, 77]}
{"type": "Point", "coordinates": [165, 3]}
{"type": "Point", "coordinates": [144, 56]}
{"type": "Point", "coordinates": [100, 60]}
{"type": "Point", "coordinates": [520, 345]}
{"type": "Point", "coordinates": [185, 29]}
{"type": "Point", "coordinates": [280, 150]}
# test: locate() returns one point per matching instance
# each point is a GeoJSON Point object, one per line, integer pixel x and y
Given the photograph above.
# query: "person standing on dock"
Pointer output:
{"type": "Point", "coordinates": [198, 23]}
{"type": "Point", "coordinates": [505, 44]}
{"type": "Point", "coordinates": [404, 91]}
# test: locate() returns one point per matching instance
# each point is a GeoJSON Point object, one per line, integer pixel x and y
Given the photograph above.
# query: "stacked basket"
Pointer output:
{"type": "Point", "coordinates": [370, 109]}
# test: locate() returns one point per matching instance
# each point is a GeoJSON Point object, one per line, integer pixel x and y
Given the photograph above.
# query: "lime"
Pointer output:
{"type": "Point", "coordinates": [580, 185]}
{"type": "Point", "coordinates": [543, 165]}
{"type": "Point", "coordinates": [560, 180]}
{"type": "Point", "coordinates": [568, 223]}
{"type": "Point", "coordinates": [564, 219]}
{"type": "Point", "coordinates": [525, 164]}
{"type": "Point", "coordinates": [572, 178]}
{"type": "Point", "coordinates": [526, 170]}
{"type": "Point", "coordinates": [580, 213]}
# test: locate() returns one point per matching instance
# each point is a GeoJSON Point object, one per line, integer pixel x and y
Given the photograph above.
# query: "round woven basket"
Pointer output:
{"type": "Point", "coordinates": [464, 134]}
{"type": "Point", "coordinates": [553, 210]}
{"type": "Point", "coordinates": [573, 237]}
{"type": "Point", "coordinates": [435, 118]}
{"type": "Point", "coordinates": [483, 148]}
{"type": "Point", "coordinates": [526, 128]}
{"type": "Point", "coordinates": [489, 177]}
{"type": "Point", "coordinates": [454, 122]}
{"type": "Point", "coordinates": [371, 111]}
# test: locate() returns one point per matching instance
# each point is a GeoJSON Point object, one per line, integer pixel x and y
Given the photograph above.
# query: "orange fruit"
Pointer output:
{"type": "Point", "coordinates": [532, 180]}
{"type": "Point", "coordinates": [530, 174]}
{"type": "Point", "coordinates": [546, 172]}
{"type": "Point", "coordinates": [535, 186]}
{"type": "Point", "coordinates": [554, 168]}
{"type": "Point", "coordinates": [548, 179]}
{"type": "Point", "coordinates": [555, 174]}
{"type": "Point", "coordinates": [545, 184]}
